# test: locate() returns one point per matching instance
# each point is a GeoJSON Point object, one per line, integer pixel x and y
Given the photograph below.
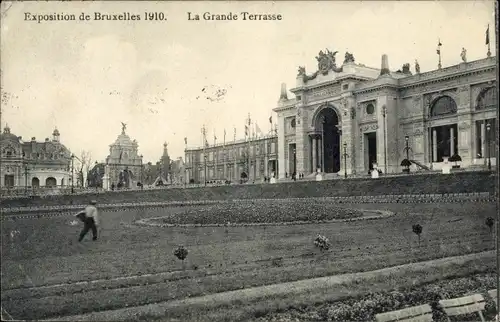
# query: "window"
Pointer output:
{"type": "Point", "coordinates": [345, 87]}
{"type": "Point", "coordinates": [370, 109]}
{"type": "Point", "coordinates": [487, 99]}
{"type": "Point", "coordinates": [292, 123]}
{"type": "Point", "coordinates": [486, 144]}
{"type": "Point", "coordinates": [442, 106]}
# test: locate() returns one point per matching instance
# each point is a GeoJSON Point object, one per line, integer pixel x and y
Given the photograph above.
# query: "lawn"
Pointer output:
{"type": "Point", "coordinates": [220, 258]}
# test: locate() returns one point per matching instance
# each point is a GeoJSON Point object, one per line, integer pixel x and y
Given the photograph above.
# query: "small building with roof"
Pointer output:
{"type": "Point", "coordinates": [33, 164]}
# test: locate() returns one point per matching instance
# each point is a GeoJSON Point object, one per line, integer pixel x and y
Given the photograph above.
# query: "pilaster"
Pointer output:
{"type": "Point", "coordinates": [281, 147]}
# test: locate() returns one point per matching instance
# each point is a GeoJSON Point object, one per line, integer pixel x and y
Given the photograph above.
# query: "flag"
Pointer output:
{"type": "Point", "coordinates": [488, 35]}
{"type": "Point", "coordinates": [438, 51]}
{"type": "Point", "coordinates": [271, 119]}
{"type": "Point", "coordinates": [246, 130]}
{"type": "Point", "coordinates": [257, 129]}
{"type": "Point", "coordinates": [206, 143]}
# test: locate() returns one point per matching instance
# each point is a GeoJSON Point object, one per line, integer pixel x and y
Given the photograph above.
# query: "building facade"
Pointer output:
{"type": "Point", "coordinates": [32, 164]}
{"type": "Point", "coordinates": [123, 164]}
{"type": "Point", "coordinates": [251, 159]}
{"type": "Point", "coordinates": [348, 118]}
{"type": "Point", "coordinates": [177, 171]}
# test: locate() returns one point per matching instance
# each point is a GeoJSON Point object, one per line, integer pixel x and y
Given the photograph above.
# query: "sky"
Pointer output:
{"type": "Point", "coordinates": [161, 78]}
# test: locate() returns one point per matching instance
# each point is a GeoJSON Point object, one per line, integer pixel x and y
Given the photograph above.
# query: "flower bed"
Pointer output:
{"type": "Point", "coordinates": [261, 212]}
{"type": "Point", "coordinates": [365, 308]}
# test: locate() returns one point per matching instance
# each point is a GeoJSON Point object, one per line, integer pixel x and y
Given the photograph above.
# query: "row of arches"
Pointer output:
{"type": "Point", "coordinates": [49, 182]}
{"type": "Point", "coordinates": [325, 140]}
{"type": "Point", "coordinates": [445, 105]}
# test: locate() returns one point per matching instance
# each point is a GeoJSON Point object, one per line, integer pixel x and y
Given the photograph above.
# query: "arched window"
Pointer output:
{"type": "Point", "coordinates": [50, 182]}
{"type": "Point", "coordinates": [442, 106]}
{"type": "Point", "coordinates": [370, 109]}
{"type": "Point", "coordinates": [487, 99]}
{"type": "Point", "coordinates": [292, 123]}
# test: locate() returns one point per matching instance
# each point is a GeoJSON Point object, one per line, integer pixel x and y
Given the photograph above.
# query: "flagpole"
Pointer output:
{"type": "Point", "coordinates": [234, 154]}
{"type": "Point", "coordinates": [224, 156]}
{"type": "Point", "coordinates": [205, 153]}
{"type": "Point", "coordinates": [439, 53]}
{"type": "Point", "coordinates": [488, 41]}
{"type": "Point", "coordinates": [216, 170]}
{"type": "Point", "coordinates": [248, 147]}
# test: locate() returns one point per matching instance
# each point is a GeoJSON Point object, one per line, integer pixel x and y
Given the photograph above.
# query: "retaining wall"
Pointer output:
{"type": "Point", "coordinates": [425, 184]}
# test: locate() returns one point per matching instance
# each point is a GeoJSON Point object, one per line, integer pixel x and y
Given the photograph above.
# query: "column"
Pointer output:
{"type": "Point", "coordinates": [483, 141]}
{"type": "Point", "coordinates": [314, 154]}
{"type": "Point", "coordinates": [434, 145]}
{"type": "Point", "coordinates": [452, 142]}
{"type": "Point", "coordinates": [235, 175]}
{"type": "Point", "coordinates": [320, 154]}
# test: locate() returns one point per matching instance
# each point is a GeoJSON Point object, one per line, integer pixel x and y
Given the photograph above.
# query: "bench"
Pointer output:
{"type": "Point", "coordinates": [421, 313]}
{"type": "Point", "coordinates": [464, 305]}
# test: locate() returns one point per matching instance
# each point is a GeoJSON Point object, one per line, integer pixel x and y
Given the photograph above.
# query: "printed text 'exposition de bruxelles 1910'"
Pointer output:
{"type": "Point", "coordinates": [149, 16]}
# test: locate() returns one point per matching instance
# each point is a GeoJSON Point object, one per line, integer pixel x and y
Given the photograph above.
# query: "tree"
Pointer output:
{"type": "Point", "coordinates": [417, 229]}
{"type": "Point", "coordinates": [85, 165]}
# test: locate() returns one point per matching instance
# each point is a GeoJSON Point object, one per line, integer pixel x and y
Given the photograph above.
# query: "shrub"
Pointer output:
{"type": "Point", "coordinates": [490, 221]}
{"type": "Point", "coordinates": [181, 253]}
{"type": "Point", "coordinates": [322, 242]}
{"type": "Point", "coordinates": [417, 229]}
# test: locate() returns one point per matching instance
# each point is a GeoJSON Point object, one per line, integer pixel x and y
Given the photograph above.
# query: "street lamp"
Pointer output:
{"type": "Point", "coordinates": [488, 128]}
{"type": "Point", "coordinates": [294, 173]}
{"type": "Point", "coordinates": [407, 149]}
{"type": "Point", "coordinates": [323, 121]}
{"type": "Point", "coordinates": [72, 171]}
{"type": "Point", "coordinates": [205, 177]}
{"type": "Point", "coordinates": [142, 184]}
{"type": "Point", "coordinates": [345, 160]}
{"type": "Point", "coordinates": [25, 175]}
{"type": "Point", "coordinates": [384, 114]}
{"type": "Point", "coordinates": [96, 176]}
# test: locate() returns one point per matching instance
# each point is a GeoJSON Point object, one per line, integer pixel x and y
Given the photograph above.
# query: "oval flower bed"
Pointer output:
{"type": "Point", "coordinates": [260, 212]}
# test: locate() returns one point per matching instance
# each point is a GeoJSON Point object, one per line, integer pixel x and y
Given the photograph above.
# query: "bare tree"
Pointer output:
{"type": "Point", "coordinates": [85, 165]}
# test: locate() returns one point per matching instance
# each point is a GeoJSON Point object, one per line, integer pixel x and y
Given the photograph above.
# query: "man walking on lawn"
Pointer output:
{"type": "Point", "coordinates": [90, 218]}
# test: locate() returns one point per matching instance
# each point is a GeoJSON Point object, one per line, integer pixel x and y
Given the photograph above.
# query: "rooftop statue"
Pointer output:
{"type": "Point", "coordinates": [417, 67]}
{"type": "Point", "coordinates": [349, 58]}
{"type": "Point", "coordinates": [406, 68]}
{"type": "Point", "coordinates": [326, 62]}
{"type": "Point", "coordinates": [464, 55]}
{"type": "Point", "coordinates": [124, 126]}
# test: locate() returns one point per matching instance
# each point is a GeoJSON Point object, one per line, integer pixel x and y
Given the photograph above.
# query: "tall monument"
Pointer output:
{"type": "Point", "coordinates": [123, 164]}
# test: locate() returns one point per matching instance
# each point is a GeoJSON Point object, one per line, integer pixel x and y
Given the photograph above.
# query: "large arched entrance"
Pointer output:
{"type": "Point", "coordinates": [327, 122]}
{"type": "Point", "coordinates": [50, 182]}
{"type": "Point", "coordinates": [35, 182]}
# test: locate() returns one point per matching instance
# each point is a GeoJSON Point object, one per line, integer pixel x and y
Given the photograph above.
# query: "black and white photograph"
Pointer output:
{"type": "Point", "coordinates": [267, 161]}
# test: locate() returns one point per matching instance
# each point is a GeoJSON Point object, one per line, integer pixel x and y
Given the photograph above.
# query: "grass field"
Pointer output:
{"type": "Point", "coordinates": [45, 253]}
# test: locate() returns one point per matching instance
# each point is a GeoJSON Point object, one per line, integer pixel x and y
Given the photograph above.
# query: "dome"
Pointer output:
{"type": "Point", "coordinates": [6, 135]}
{"type": "Point", "coordinates": [123, 139]}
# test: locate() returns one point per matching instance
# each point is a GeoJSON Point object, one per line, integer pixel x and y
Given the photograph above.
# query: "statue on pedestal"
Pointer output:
{"type": "Point", "coordinates": [463, 55]}
{"type": "Point", "coordinates": [417, 67]}
{"type": "Point", "coordinates": [348, 58]}
{"type": "Point", "coordinates": [124, 127]}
